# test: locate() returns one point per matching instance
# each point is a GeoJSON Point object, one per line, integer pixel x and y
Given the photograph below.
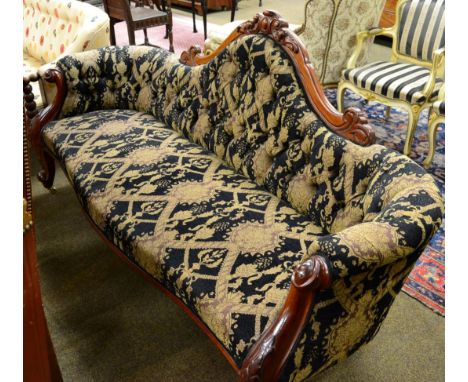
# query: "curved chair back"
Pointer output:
{"type": "Point", "coordinates": [118, 9]}
{"type": "Point", "coordinates": [329, 33]}
{"type": "Point", "coordinates": [420, 28]}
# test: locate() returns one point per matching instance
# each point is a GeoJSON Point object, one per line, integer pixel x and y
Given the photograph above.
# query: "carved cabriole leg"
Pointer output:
{"type": "Point", "coordinates": [434, 122]}
{"type": "Point", "coordinates": [413, 117]}
{"type": "Point", "coordinates": [270, 353]}
{"type": "Point", "coordinates": [340, 92]}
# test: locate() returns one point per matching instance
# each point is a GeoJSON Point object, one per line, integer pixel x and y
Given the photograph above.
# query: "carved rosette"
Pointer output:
{"type": "Point", "coordinates": [189, 57]}
{"type": "Point", "coordinates": [271, 24]}
{"type": "Point", "coordinates": [356, 127]}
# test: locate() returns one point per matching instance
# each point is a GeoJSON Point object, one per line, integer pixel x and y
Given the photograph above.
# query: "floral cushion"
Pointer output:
{"type": "Point", "coordinates": [371, 210]}
{"type": "Point", "coordinates": [54, 28]}
{"type": "Point", "coordinates": [330, 30]}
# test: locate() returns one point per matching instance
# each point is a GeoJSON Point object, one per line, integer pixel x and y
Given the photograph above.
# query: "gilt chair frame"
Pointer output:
{"type": "Point", "coordinates": [435, 119]}
{"type": "Point", "coordinates": [268, 356]}
{"type": "Point", "coordinates": [436, 67]}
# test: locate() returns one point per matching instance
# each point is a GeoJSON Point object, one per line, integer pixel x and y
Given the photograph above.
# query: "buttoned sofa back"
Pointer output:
{"type": "Point", "coordinates": [54, 27]}
{"type": "Point", "coordinates": [377, 208]}
{"type": "Point", "coordinates": [247, 107]}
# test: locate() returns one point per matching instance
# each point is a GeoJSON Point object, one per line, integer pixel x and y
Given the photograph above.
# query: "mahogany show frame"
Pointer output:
{"type": "Point", "coordinates": [268, 356]}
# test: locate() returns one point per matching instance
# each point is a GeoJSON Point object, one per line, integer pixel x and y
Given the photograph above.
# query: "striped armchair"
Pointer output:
{"type": "Point", "coordinates": [414, 75]}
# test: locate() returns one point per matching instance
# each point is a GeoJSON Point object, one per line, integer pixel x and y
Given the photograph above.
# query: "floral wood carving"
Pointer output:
{"type": "Point", "coordinates": [269, 354]}
{"type": "Point", "coordinates": [189, 57]}
{"type": "Point", "coordinates": [352, 124]}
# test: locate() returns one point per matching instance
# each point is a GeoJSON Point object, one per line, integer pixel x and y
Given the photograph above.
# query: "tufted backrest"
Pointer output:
{"type": "Point", "coordinates": [248, 108]}
{"type": "Point", "coordinates": [421, 28]}
{"type": "Point", "coordinates": [55, 27]}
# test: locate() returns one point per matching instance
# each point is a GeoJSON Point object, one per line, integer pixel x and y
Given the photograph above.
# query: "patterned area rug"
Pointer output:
{"type": "Point", "coordinates": [182, 31]}
{"type": "Point", "coordinates": [426, 282]}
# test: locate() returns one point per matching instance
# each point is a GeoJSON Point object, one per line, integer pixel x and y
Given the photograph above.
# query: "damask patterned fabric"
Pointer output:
{"type": "Point", "coordinates": [368, 211]}
{"type": "Point", "coordinates": [393, 80]}
{"type": "Point", "coordinates": [214, 238]}
{"type": "Point", "coordinates": [421, 30]}
{"type": "Point", "coordinates": [330, 30]}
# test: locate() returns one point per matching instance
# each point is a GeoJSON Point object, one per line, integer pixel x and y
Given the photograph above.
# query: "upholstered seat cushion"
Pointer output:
{"type": "Point", "coordinates": [393, 80]}
{"type": "Point", "coordinates": [214, 238]}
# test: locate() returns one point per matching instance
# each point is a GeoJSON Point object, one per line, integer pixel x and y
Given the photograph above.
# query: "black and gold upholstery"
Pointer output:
{"type": "Point", "coordinates": [218, 179]}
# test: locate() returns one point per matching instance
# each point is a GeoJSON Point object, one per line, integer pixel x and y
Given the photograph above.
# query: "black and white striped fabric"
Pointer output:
{"type": "Point", "coordinates": [421, 29]}
{"type": "Point", "coordinates": [393, 80]}
{"type": "Point", "coordinates": [439, 107]}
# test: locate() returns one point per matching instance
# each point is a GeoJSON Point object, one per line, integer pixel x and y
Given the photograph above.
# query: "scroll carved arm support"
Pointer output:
{"type": "Point", "coordinates": [268, 356]}
{"type": "Point", "coordinates": [47, 173]}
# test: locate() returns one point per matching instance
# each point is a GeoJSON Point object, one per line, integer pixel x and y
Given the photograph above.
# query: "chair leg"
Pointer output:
{"type": "Point", "coordinates": [340, 91]}
{"type": "Point", "coordinates": [413, 116]}
{"type": "Point", "coordinates": [233, 9]}
{"type": "Point", "coordinates": [145, 32]}
{"type": "Point", "coordinates": [167, 32]}
{"type": "Point", "coordinates": [131, 34]}
{"type": "Point", "coordinates": [432, 136]}
{"type": "Point", "coordinates": [171, 43]}
{"type": "Point", "coordinates": [112, 32]}
{"type": "Point", "coordinates": [193, 16]}
{"type": "Point", "coordinates": [204, 10]}
{"type": "Point", "coordinates": [387, 111]}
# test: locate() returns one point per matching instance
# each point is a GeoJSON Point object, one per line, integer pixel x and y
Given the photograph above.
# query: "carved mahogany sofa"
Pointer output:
{"type": "Point", "coordinates": [227, 184]}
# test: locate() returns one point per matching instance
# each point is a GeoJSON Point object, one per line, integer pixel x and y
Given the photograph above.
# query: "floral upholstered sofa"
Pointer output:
{"type": "Point", "coordinates": [53, 28]}
{"type": "Point", "coordinates": [225, 182]}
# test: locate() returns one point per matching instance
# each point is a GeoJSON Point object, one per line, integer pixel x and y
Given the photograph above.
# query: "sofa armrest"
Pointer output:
{"type": "Point", "coordinates": [267, 357]}
{"type": "Point", "coordinates": [402, 209]}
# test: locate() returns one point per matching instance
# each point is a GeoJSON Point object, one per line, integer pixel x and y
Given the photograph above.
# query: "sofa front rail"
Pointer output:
{"type": "Point", "coordinates": [268, 356]}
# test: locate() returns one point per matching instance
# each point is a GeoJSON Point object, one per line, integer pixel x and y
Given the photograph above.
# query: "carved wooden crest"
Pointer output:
{"type": "Point", "coordinates": [352, 124]}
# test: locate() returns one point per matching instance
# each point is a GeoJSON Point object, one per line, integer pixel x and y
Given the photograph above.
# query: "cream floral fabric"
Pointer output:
{"type": "Point", "coordinates": [330, 32]}
{"type": "Point", "coordinates": [54, 28]}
